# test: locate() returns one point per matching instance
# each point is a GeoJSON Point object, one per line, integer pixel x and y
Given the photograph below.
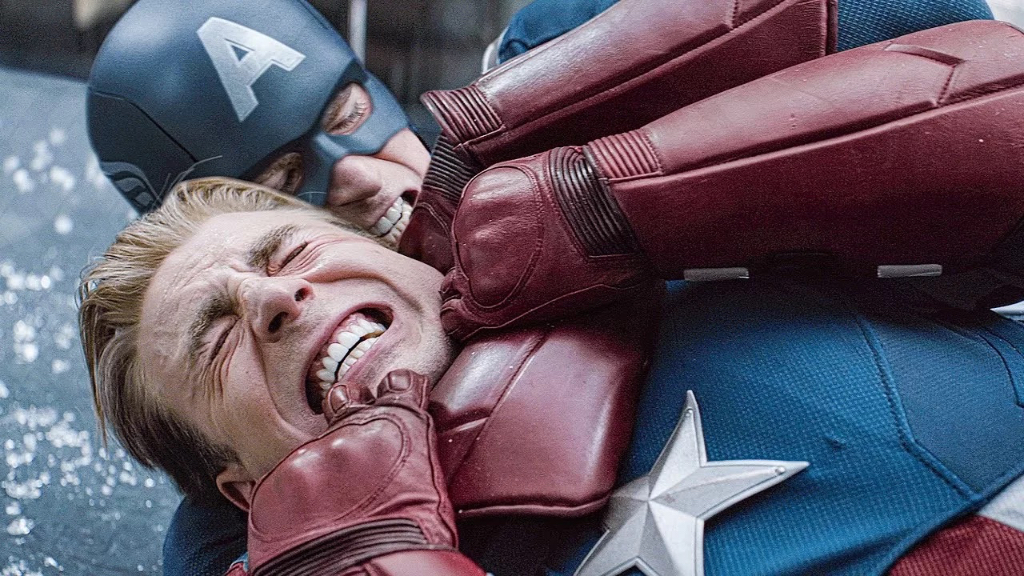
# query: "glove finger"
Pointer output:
{"type": "Point", "coordinates": [448, 289]}
{"type": "Point", "coordinates": [404, 386]}
{"type": "Point", "coordinates": [335, 402]}
{"type": "Point", "coordinates": [457, 322]}
{"type": "Point", "coordinates": [339, 403]}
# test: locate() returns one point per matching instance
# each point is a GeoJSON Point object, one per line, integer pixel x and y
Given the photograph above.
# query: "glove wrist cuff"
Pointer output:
{"type": "Point", "coordinates": [351, 546]}
{"type": "Point", "coordinates": [464, 113]}
{"type": "Point", "coordinates": [588, 206]}
{"type": "Point", "coordinates": [449, 171]}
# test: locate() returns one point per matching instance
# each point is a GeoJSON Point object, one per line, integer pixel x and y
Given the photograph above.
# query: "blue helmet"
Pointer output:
{"type": "Point", "coordinates": [222, 88]}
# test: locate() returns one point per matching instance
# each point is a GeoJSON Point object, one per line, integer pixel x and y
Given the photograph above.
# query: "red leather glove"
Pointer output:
{"type": "Point", "coordinates": [584, 85]}
{"type": "Point", "coordinates": [365, 498]}
{"type": "Point", "coordinates": [896, 159]}
{"type": "Point", "coordinates": [520, 259]}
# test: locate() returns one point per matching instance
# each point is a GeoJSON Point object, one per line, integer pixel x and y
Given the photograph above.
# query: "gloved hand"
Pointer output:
{"type": "Point", "coordinates": [366, 497]}
{"type": "Point", "coordinates": [534, 239]}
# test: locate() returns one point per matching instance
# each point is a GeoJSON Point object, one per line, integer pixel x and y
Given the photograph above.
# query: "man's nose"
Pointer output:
{"type": "Point", "coordinates": [354, 178]}
{"type": "Point", "coordinates": [273, 304]}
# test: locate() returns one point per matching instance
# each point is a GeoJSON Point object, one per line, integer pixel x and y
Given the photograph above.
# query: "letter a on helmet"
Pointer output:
{"type": "Point", "coordinates": [225, 40]}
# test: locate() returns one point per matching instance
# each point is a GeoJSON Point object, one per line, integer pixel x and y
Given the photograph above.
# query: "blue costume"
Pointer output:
{"type": "Point", "coordinates": [874, 384]}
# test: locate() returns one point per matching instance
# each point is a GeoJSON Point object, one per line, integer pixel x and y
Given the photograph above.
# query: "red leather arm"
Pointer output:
{"type": "Point", "coordinates": [635, 62]}
{"type": "Point", "coordinates": [536, 420]}
{"type": "Point", "coordinates": [408, 563]}
{"type": "Point", "coordinates": [894, 159]}
{"type": "Point", "coordinates": [905, 152]}
{"type": "Point", "coordinates": [420, 563]}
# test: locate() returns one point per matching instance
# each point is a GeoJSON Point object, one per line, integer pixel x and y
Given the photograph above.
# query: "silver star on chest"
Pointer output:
{"type": "Point", "coordinates": [656, 522]}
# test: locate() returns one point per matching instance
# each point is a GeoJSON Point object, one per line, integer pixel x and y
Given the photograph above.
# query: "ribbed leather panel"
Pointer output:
{"type": "Point", "coordinates": [624, 155]}
{"type": "Point", "coordinates": [588, 207]}
{"type": "Point", "coordinates": [334, 553]}
{"type": "Point", "coordinates": [449, 172]}
{"type": "Point", "coordinates": [464, 112]}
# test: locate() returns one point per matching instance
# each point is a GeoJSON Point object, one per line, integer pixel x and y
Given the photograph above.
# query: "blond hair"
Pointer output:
{"type": "Point", "coordinates": [110, 296]}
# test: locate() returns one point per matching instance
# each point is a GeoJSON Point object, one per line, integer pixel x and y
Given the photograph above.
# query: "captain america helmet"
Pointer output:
{"type": "Point", "coordinates": [196, 88]}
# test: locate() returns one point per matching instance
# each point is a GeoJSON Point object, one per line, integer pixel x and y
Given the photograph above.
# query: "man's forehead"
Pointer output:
{"type": "Point", "coordinates": [218, 243]}
{"type": "Point", "coordinates": [223, 244]}
{"type": "Point", "coordinates": [227, 239]}
{"type": "Point", "coordinates": [216, 246]}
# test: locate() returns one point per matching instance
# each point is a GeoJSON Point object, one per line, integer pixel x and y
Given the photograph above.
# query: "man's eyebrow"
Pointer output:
{"type": "Point", "coordinates": [260, 253]}
{"type": "Point", "coordinates": [258, 257]}
{"type": "Point", "coordinates": [211, 309]}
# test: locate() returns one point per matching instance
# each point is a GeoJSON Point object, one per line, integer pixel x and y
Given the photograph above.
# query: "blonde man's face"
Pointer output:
{"type": "Point", "coordinates": [243, 325]}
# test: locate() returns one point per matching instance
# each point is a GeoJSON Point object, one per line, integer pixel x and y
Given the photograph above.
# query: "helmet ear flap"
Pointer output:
{"type": "Point", "coordinates": [139, 158]}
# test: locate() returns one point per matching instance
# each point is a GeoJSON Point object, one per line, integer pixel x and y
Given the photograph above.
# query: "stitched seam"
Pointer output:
{"type": "Point", "coordinates": [403, 458]}
{"type": "Point", "coordinates": [898, 421]}
{"type": "Point", "coordinates": [658, 163]}
{"type": "Point", "coordinates": [587, 206]}
{"type": "Point", "coordinates": [437, 478]}
{"type": "Point", "coordinates": [947, 87]}
{"type": "Point", "coordinates": [1002, 359]}
{"type": "Point", "coordinates": [1018, 388]}
{"type": "Point", "coordinates": [500, 127]}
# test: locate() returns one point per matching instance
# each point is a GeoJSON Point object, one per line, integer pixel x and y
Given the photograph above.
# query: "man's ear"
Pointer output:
{"type": "Point", "coordinates": [236, 484]}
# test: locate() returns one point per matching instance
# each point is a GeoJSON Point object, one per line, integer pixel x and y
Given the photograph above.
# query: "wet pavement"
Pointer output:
{"type": "Point", "coordinates": [67, 506]}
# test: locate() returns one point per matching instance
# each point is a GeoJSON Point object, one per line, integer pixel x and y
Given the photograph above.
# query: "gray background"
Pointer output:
{"type": "Point", "coordinates": [68, 505]}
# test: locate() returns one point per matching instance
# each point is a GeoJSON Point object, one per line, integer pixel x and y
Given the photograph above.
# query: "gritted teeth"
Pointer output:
{"type": "Point", "coordinates": [356, 334]}
{"type": "Point", "coordinates": [393, 223]}
{"type": "Point", "coordinates": [334, 369]}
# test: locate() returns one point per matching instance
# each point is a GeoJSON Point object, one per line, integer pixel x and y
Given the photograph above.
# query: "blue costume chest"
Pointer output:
{"type": "Point", "coordinates": [909, 415]}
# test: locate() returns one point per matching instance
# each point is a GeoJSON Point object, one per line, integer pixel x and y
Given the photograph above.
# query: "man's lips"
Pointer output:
{"type": "Point", "coordinates": [347, 345]}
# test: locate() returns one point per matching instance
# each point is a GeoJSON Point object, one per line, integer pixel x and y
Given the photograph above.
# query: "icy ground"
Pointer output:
{"type": "Point", "coordinates": [67, 506]}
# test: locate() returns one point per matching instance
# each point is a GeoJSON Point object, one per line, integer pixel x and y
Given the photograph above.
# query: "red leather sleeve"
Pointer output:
{"type": "Point", "coordinates": [633, 63]}
{"type": "Point", "coordinates": [421, 563]}
{"type": "Point", "coordinates": [886, 155]}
